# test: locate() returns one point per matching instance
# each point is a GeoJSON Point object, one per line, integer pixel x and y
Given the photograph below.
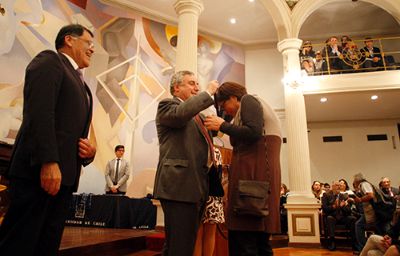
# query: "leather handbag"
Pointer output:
{"type": "Point", "coordinates": [253, 198]}
{"type": "Point", "coordinates": [253, 192]}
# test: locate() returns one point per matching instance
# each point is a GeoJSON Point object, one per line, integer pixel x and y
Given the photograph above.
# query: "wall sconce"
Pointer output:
{"type": "Point", "coordinates": [295, 79]}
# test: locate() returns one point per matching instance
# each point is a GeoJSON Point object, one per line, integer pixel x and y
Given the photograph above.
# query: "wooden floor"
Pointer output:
{"type": "Point", "coordinates": [84, 241]}
{"type": "Point", "coordinates": [77, 236]}
{"type": "Point", "coordinates": [279, 252]}
{"type": "Point", "coordinates": [310, 252]}
{"type": "Point", "coordinates": [78, 241]}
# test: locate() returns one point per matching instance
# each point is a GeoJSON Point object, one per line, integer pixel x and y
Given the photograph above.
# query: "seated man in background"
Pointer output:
{"type": "Point", "coordinates": [387, 188]}
{"type": "Point", "coordinates": [117, 173]}
{"type": "Point", "coordinates": [320, 65]}
{"type": "Point", "coordinates": [336, 207]}
{"type": "Point", "coordinates": [373, 55]}
{"type": "Point", "coordinates": [385, 206]}
{"type": "Point", "coordinates": [334, 53]}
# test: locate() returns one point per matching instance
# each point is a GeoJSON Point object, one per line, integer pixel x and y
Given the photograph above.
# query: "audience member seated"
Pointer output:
{"type": "Point", "coordinates": [384, 205]}
{"type": "Point", "coordinates": [344, 187]}
{"type": "Point", "coordinates": [373, 55]}
{"type": "Point", "coordinates": [307, 50]}
{"type": "Point", "coordinates": [336, 208]}
{"type": "Point", "coordinates": [387, 188]}
{"type": "Point", "coordinates": [283, 210]}
{"type": "Point", "coordinates": [392, 192]}
{"type": "Point", "coordinates": [344, 40]}
{"type": "Point", "coordinates": [327, 187]}
{"type": "Point", "coordinates": [388, 245]}
{"type": "Point", "coordinates": [307, 56]}
{"type": "Point", "coordinates": [333, 52]}
{"type": "Point", "coordinates": [316, 190]}
{"type": "Point", "coordinates": [308, 66]}
{"type": "Point", "coordinates": [320, 66]}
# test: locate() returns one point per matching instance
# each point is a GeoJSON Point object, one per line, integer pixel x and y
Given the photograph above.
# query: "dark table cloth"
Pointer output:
{"type": "Point", "coordinates": [111, 212]}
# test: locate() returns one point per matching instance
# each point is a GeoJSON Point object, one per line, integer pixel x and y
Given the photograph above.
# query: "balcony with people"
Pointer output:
{"type": "Point", "coordinates": [350, 55]}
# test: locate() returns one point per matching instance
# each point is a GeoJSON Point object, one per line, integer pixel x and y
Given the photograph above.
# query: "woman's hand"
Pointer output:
{"type": "Point", "coordinates": [213, 123]}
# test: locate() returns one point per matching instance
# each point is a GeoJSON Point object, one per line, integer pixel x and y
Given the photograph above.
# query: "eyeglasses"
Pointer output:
{"type": "Point", "coordinates": [89, 43]}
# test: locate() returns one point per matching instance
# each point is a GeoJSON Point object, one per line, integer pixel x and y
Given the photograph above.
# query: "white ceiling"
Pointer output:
{"type": "Point", "coordinates": [353, 106]}
{"type": "Point", "coordinates": [355, 19]}
{"type": "Point", "coordinates": [255, 27]}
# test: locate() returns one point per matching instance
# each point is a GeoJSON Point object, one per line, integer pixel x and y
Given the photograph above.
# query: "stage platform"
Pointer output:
{"type": "Point", "coordinates": [85, 241]}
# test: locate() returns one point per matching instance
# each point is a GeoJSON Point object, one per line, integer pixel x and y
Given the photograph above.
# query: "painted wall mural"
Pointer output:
{"type": "Point", "coordinates": [129, 74]}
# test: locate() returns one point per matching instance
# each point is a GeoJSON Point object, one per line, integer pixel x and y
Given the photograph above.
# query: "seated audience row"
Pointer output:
{"type": "Point", "coordinates": [367, 207]}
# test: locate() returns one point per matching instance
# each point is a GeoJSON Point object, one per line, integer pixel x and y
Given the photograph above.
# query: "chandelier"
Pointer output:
{"type": "Point", "coordinates": [2, 10]}
{"type": "Point", "coordinates": [291, 3]}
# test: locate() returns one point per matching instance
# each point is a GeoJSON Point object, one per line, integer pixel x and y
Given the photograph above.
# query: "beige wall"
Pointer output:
{"type": "Point", "coordinates": [264, 73]}
{"type": "Point", "coordinates": [335, 160]}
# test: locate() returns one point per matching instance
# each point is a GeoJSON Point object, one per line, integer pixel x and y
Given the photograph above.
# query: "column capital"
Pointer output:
{"type": "Point", "coordinates": [191, 6]}
{"type": "Point", "coordinates": [289, 44]}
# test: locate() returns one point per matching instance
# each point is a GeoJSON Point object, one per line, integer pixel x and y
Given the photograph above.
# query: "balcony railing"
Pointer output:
{"type": "Point", "coordinates": [361, 55]}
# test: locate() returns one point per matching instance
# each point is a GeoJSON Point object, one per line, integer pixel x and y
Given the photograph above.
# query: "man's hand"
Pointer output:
{"type": "Point", "coordinates": [86, 150]}
{"type": "Point", "coordinates": [114, 189]}
{"type": "Point", "coordinates": [50, 178]}
{"type": "Point", "coordinates": [212, 87]}
{"type": "Point", "coordinates": [386, 241]}
{"type": "Point", "coordinates": [213, 123]}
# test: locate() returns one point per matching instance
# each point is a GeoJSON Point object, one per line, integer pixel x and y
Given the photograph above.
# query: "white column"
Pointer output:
{"type": "Point", "coordinates": [296, 121]}
{"type": "Point", "coordinates": [301, 204]}
{"type": "Point", "coordinates": [188, 12]}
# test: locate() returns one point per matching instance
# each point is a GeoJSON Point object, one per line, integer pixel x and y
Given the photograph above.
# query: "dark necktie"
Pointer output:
{"type": "Point", "coordinates": [116, 172]}
{"type": "Point", "coordinates": [206, 135]}
{"type": "Point", "coordinates": [84, 87]}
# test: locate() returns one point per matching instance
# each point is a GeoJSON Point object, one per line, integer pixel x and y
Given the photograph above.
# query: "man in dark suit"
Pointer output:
{"type": "Point", "coordinates": [51, 146]}
{"type": "Point", "coordinates": [336, 208]}
{"type": "Point", "coordinates": [117, 173]}
{"type": "Point", "coordinates": [386, 187]}
{"type": "Point", "coordinates": [372, 54]}
{"type": "Point", "coordinates": [332, 53]}
{"type": "Point", "coordinates": [181, 181]}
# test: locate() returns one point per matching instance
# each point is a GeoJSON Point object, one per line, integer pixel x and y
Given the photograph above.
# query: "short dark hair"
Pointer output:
{"type": "Point", "coordinates": [367, 39]}
{"type": "Point", "coordinates": [228, 89]}
{"type": "Point", "coordinates": [118, 147]}
{"type": "Point", "coordinates": [72, 29]}
{"type": "Point", "coordinates": [177, 79]}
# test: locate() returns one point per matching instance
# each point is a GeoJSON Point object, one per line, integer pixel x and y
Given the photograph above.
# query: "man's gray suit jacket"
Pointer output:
{"type": "Point", "coordinates": [123, 174]}
{"type": "Point", "coordinates": [182, 167]}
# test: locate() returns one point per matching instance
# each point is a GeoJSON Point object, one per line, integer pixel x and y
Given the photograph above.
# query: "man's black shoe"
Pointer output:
{"type": "Point", "coordinates": [331, 244]}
